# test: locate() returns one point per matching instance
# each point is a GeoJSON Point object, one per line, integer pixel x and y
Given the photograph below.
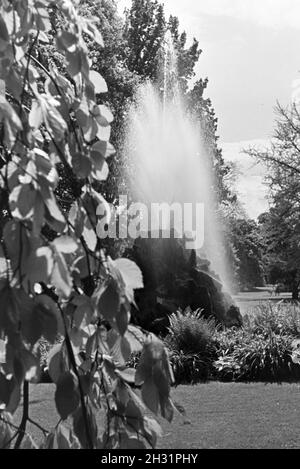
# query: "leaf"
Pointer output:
{"type": "Point", "coordinates": [15, 397]}
{"type": "Point", "coordinates": [66, 438]}
{"type": "Point", "coordinates": [31, 366]}
{"type": "Point", "coordinates": [10, 310]}
{"type": "Point", "coordinates": [6, 387]}
{"type": "Point", "coordinates": [76, 218]}
{"type": "Point", "coordinates": [65, 40]}
{"type": "Point", "coordinates": [102, 149]}
{"type": "Point", "coordinates": [109, 301]}
{"type": "Point", "coordinates": [127, 375]}
{"type": "Point", "coordinates": [6, 429]}
{"type": "Point", "coordinates": [119, 347]}
{"type": "Point", "coordinates": [66, 395]}
{"type": "Point", "coordinates": [84, 312]}
{"type": "Point", "coordinates": [52, 118]}
{"type": "Point", "coordinates": [150, 395]}
{"type": "Point", "coordinates": [40, 265]}
{"type": "Point", "coordinates": [18, 245]}
{"type": "Point", "coordinates": [167, 409]}
{"type": "Point", "coordinates": [152, 429]}
{"type": "Point", "coordinates": [4, 36]}
{"type": "Point", "coordinates": [98, 82]}
{"type": "Point", "coordinates": [53, 214]}
{"type": "Point", "coordinates": [61, 277]}
{"type": "Point", "coordinates": [100, 169]}
{"type": "Point", "coordinates": [22, 201]}
{"type": "Point", "coordinates": [38, 215]}
{"type": "Point", "coordinates": [80, 427]}
{"type": "Point", "coordinates": [28, 443]}
{"type": "Point", "coordinates": [2, 351]}
{"type": "Point", "coordinates": [61, 438]}
{"type": "Point", "coordinates": [89, 235]}
{"type": "Point", "coordinates": [12, 123]}
{"type": "Point", "coordinates": [106, 114]}
{"type": "Point", "coordinates": [155, 374]}
{"type": "Point", "coordinates": [123, 318]}
{"type": "Point", "coordinates": [131, 274]}
{"type": "Point", "coordinates": [13, 82]}
{"type": "Point", "coordinates": [35, 117]}
{"type": "Point", "coordinates": [43, 320]}
{"type": "Point", "coordinates": [103, 132]}
{"type": "Point", "coordinates": [55, 363]}
{"type": "Point", "coordinates": [65, 244]}
{"type": "Point", "coordinates": [135, 337]}
{"type": "Point", "coordinates": [4, 266]}
{"type": "Point", "coordinates": [82, 165]}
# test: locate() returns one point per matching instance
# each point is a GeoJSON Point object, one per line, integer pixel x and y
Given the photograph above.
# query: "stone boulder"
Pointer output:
{"type": "Point", "coordinates": [176, 278]}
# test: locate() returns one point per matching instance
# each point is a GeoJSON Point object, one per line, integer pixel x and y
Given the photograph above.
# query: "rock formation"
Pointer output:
{"type": "Point", "coordinates": [176, 278]}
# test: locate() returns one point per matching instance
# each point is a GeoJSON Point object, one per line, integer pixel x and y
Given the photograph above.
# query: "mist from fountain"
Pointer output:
{"type": "Point", "coordinates": [167, 159]}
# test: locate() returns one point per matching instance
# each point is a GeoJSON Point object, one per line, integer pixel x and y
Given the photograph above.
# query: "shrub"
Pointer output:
{"type": "Point", "coordinates": [190, 368]}
{"type": "Point", "coordinates": [190, 342]}
{"type": "Point", "coordinates": [249, 355]}
{"type": "Point", "coordinates": [279, 318]}
{"type": "Point", "coordinates": [189, 331]}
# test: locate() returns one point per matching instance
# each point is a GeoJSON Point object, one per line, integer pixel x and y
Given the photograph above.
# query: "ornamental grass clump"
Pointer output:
{"type": "Point", "coordinates": [190, 342]}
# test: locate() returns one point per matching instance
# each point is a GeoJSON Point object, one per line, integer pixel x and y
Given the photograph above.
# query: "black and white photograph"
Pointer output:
{"type": "Point", "coordinates": [149, 228]}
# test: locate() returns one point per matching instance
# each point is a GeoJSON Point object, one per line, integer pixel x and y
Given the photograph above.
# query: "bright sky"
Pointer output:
{"type": "Point", "coordinates": [251, 56]}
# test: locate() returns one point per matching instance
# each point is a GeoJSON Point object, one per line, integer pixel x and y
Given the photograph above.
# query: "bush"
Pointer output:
{"type": "Point", "coordinates": [252, 356]}
{"type": "Point", "coordinates": [189, 331]}
{"type": "Point", "coordinates": [190, 342]}
{"type": "Point", "coordinates": [280, 318]}
{"type": "Point", "coordinates": [260, 351]}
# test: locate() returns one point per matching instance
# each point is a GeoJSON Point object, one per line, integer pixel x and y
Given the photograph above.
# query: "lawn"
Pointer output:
{"type": "Point", "coordinates": [222, 415]}
{"type": "Point", "coordinates": [247, 301]}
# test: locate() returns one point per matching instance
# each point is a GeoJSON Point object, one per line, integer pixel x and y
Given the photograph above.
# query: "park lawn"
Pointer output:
{"type": "Point", "coordinates": [221, 415]}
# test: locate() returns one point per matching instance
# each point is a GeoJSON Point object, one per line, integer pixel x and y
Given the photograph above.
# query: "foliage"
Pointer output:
{"type": "Point", "coordinates": [190, 341]}
{"type": "Point", "coordinates": [248, 244]}
{"type": "Point", "coordinates": [51, 119]}
{"type": "Point", "coordinates": [280, 231]}
{"type": "Point", "coordinates": [189, 331]}
{"type": "Point", "coordinates": [280, 318]}
{"type": "Point", "coordinates": [189, 367]}
{"type": "Point", "coordinates": [252, 356]}
{"type": "Point", "coordinates": [262, 349]}
{"type": "Point", "coordinates": [265, 349]}
{"type": "Point", "coordinates": [280, 226]}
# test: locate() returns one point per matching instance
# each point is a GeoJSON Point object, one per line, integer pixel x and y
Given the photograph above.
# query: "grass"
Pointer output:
{"type": "Point", "coordinates": [222, 415]}
{"type": "Point", "coordinates": [247, 301]}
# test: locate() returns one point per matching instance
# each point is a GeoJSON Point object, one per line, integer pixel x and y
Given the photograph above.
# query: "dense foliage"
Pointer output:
{"type": "Point", "coordinates": [266, 348]}
{"type": "Point", "coordinates": [190, 341]}
{"type": "Point", "coordinates": [249, 246]}
{"type": "Point", "coordinates": [54, 275]}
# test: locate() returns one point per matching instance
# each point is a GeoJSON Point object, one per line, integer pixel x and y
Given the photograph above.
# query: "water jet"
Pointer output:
{"type": "Point", "coordinates": [168, 163]}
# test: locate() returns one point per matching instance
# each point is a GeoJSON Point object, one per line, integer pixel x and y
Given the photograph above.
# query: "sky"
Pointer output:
{"type": "Point", "coordinates": [251, 56]}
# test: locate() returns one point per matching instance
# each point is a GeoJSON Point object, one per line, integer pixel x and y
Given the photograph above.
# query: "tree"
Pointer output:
{"type": "Point", "coordinates": [280, 229]}
{"type": "Point", "coordinates": [47, 119]}
{"type": "Point", "coordinates": [282, 159]}
{"type": "Point", "coordinates": [144, 31]}
{"type": "Point", "coordinates": [280, 225]}
{"type": "Point", "coordinates": [248, 244]}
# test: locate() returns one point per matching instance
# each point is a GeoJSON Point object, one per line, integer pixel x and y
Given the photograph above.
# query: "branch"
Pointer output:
{"type": "Point", "coordinates": [74, 366]}
{"type": "Point", "coordinates": [22, 428]}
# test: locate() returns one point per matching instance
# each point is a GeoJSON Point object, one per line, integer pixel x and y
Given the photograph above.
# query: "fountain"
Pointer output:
{"type": "Point", "coordinates": [168, 164]}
